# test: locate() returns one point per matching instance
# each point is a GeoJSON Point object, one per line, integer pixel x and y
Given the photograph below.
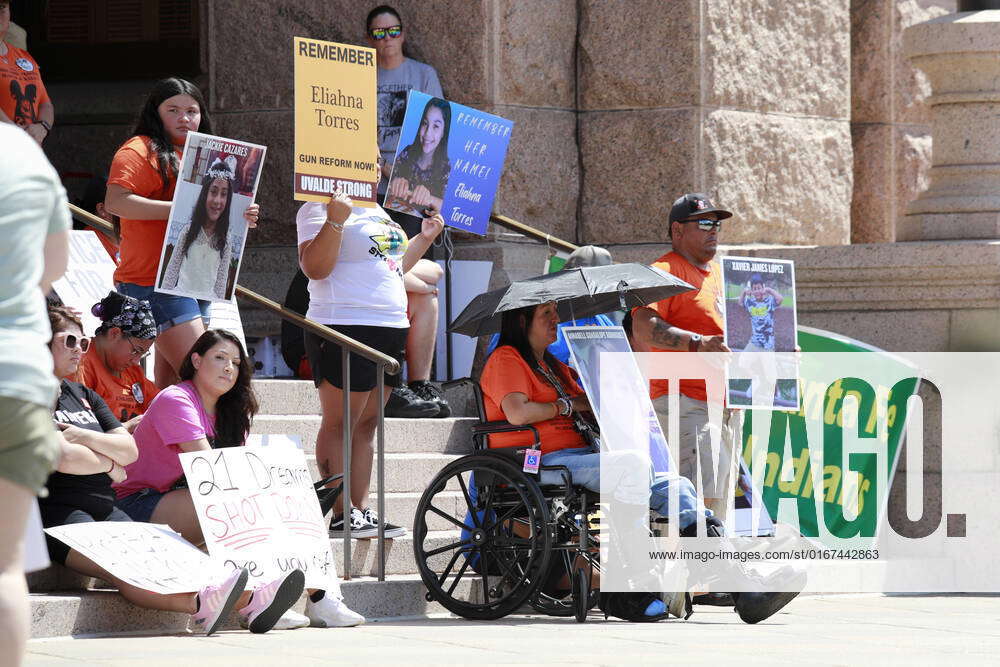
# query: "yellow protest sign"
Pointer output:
{"type": "Point", "coordinates": [335, 141]}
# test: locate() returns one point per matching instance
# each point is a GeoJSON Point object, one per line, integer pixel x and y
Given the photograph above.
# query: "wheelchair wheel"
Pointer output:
{"type": "Point", "coordinates": [581, 594]}
{"type": "Point", "coordinates": [498, 543]}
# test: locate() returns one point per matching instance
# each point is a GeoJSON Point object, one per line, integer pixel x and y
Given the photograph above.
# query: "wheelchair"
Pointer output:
{"type": "Point", "coordinates": [519, 542]}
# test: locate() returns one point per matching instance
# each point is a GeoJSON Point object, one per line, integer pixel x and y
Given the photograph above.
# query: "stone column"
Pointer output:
{"type": "Point", "coordinates": [960, 54]}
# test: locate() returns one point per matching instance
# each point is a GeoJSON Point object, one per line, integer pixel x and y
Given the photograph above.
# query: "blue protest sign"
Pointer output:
{"type": "Point", "coordinates": [449, 157]}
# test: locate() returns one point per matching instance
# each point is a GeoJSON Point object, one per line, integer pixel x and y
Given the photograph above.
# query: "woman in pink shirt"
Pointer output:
{"type": "Point", "coordinates": [211, 407]}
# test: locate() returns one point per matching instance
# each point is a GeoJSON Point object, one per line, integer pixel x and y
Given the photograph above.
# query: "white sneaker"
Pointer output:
{"type": "Point", "coordinates": [290, 620]}
{"type": "Point", "coordinates": [332, 613]}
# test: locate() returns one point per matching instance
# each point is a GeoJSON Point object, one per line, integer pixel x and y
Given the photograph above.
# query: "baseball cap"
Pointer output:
{"type": "Point", "coordinates": [695, 204]}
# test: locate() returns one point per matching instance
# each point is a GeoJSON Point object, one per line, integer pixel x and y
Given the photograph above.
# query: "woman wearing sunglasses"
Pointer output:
{"type": "Point", "coordinates": [95, 452]}
{"type": "Point", "coordinates": [397, 75]}
{"type": "Point", "coordinates": [111, 365]}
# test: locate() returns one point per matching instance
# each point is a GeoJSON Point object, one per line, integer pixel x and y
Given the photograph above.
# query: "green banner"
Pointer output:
{"type": "Point", "coordinates": [825, 403]}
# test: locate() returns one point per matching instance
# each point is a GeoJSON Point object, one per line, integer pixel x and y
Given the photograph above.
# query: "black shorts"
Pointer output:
{"type": "Point", "coordinates": [61, 515]}
{"type": "Point", "coordinates": [325, 357]}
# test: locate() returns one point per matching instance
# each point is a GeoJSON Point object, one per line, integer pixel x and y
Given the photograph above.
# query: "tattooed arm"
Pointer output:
{"type": "Point", "coordinates": [650, 329]}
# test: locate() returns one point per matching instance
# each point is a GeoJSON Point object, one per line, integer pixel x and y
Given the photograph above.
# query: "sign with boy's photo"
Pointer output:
{"type": "Point", "coordinates": [449, 158]}
{"type": "Point", "coordinates": [335, 128]}
{"type": "Point", "coordinates": [760, 320]}
{"type": "Point", "coordinates": [206, 230]}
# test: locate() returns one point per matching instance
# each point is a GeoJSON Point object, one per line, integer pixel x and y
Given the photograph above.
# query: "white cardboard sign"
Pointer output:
{"type": "Point", "coordinates": [150, 556]}
{"type": "Point", "coordinates": [88, 277]}
{"type": "Point", "coordinates": [257, 508]}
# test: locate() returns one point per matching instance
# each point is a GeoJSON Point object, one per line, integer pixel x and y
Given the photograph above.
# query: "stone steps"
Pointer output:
{"type": "Point", "coordinates": [105, 612]}
{"type": "Point", "coordinates": [299, 397]}
{"type": "Point", "coordinates": [452, 435]}
{"type": "Point", "coordinates": [64, 603]}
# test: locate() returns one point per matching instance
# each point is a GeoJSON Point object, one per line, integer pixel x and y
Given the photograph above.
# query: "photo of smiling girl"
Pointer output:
{"type": "Point", "coordinates": [420, 173]}
{"type": "Point", "coordinates": [199, 262]}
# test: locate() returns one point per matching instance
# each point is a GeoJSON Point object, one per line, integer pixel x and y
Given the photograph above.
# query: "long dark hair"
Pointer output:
{"type": "Point", "coordinates": [236, 408]}
{"type": "Point", "coordinates": [440, 159]}
{"type": "Point", "coordinates": [200, 216]}
{"type": "Point", "coordinates": [150, 125]}
{"type": "Point", "coordinates": [514, 326]}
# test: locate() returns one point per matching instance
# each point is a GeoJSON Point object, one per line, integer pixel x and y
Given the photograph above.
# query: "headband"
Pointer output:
{"type": "Point", "coordinates": [223, 168]}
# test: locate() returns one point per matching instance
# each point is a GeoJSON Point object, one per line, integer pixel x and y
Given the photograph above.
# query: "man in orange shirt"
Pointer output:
{"type": "Point", "coordinates": [693, 322]}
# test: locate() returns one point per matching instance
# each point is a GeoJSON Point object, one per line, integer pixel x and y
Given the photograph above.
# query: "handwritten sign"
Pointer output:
{"type": "Point", "coordinates": [88, 277]}
{"type": "Point", "coordinates": [449, 157]}
{"type": "Point", "coordinates": [147, 555]}
{"type": "Point", "coordinates": [257, 509]}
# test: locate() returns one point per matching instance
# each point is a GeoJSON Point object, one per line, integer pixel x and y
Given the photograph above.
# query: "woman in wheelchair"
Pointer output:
{"type": "Point", "coordinates": [523, 384]}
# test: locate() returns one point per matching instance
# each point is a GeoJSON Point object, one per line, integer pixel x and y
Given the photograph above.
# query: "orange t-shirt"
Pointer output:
{"type": "Point", "coordinates": [699, 311]}
{"type": "Point", "coordinates": [505, 373]}
{"type": "Point", "coordinates": [127, 395]}
{"type": "Point", "coordinates": [134, 168]}
{"type": "Point", "coordinates": [21, 89]}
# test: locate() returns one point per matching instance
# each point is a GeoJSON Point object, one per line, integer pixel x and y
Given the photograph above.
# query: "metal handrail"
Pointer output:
{"type": "Point", "coordinates": [384, 364]}
{"type": "Point", "coordinates": [531, 232]}
{"type": "Point", "coordinates": [373, 355]}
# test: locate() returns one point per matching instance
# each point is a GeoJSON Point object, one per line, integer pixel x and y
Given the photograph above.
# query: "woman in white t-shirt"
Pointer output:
{"type": "Point", "coordinates": [355, 259]}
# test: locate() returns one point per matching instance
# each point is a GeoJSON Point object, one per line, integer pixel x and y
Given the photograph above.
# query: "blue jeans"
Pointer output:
{"type": "Point", "coordinates": [169, 310]}
{"type": "Point", "coordinates": [585, 466]}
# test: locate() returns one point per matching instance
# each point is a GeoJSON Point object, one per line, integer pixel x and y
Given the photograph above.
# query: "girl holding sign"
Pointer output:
{"type": "Point", "coordinates": [199, 263]}
{"type": "Point", "coordinates": [141, 185]}
{"type": "Point", "coordinates": [96, 452]}
{"type": "Point", "coordinates": [212, 407]}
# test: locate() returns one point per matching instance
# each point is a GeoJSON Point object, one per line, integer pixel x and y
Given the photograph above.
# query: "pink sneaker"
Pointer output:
{"type": "Point", "coordinates": [269, 601]}
{"type": "Point", "coordinates": [215, 601]}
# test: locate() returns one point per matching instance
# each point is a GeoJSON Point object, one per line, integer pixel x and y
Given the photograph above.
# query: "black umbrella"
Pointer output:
{"type": "Point", "coordinates": [579, 292]}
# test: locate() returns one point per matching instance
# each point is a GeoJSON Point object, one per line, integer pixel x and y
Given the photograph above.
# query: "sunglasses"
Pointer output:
{"type": "Point", "coordinates": [137, 352]}
{"type": "Point", "coordinates": [378, 34]}
{"type": "Point", "coordinates": [705, 225]}
{"type": "Point", "coordinates": [71, 341]}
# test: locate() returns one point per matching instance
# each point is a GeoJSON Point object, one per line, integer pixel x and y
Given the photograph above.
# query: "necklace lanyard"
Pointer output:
{"type": "Point", "coordinates": [553, 380]}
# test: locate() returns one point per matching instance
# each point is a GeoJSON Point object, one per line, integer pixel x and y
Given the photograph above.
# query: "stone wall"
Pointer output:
{"type": "Point", "coordinates": [889, 121]}
{"type": "Point", "coordinates": [746, 100]}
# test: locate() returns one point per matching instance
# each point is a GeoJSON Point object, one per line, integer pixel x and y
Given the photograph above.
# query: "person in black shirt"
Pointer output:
{"type": "Point", "coordinates": [95, 451]}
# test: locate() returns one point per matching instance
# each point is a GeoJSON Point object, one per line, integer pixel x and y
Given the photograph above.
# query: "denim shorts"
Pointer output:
{"type": "Point", "coordinates": [168, 309]}
{"type": "Point", "coordinates": [140, 505]}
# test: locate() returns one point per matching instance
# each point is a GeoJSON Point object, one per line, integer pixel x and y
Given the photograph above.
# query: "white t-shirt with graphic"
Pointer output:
{"type": "Point", "coordinates": [366, 284]}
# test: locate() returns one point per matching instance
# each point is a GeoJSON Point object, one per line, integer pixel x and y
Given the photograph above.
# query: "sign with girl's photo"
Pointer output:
{"type": "Point", "coordinates": [206, 230]}
{"type": "Point", "coordinates": [335, 127]}
{"type": "Point", "coordinates": [760, 319]}
{"type": "Point", "coordinates": [449, 158]}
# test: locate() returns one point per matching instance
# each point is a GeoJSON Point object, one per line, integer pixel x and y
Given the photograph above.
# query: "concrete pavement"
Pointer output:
{"type": "Point", "coordinates": [815, 630]}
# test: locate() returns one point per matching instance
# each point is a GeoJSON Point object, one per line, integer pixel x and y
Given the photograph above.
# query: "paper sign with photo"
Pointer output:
{"type": "Point", "coordinates": [206, 230]}
{"type": "Point", "coordinates": [760, 320]}
{"type": "Point", "coordinates": [450, 157]}
{"type": "Point", "coordinates": [146, 555]}
{"type": "Point", "coordinates": [257, 508]}
{"type": "Point", "coordinates": [335, 126]}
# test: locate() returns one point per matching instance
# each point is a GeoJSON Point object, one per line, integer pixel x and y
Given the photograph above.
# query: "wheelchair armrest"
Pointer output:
{"type": "Point", "coordinates": [501, 426]}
